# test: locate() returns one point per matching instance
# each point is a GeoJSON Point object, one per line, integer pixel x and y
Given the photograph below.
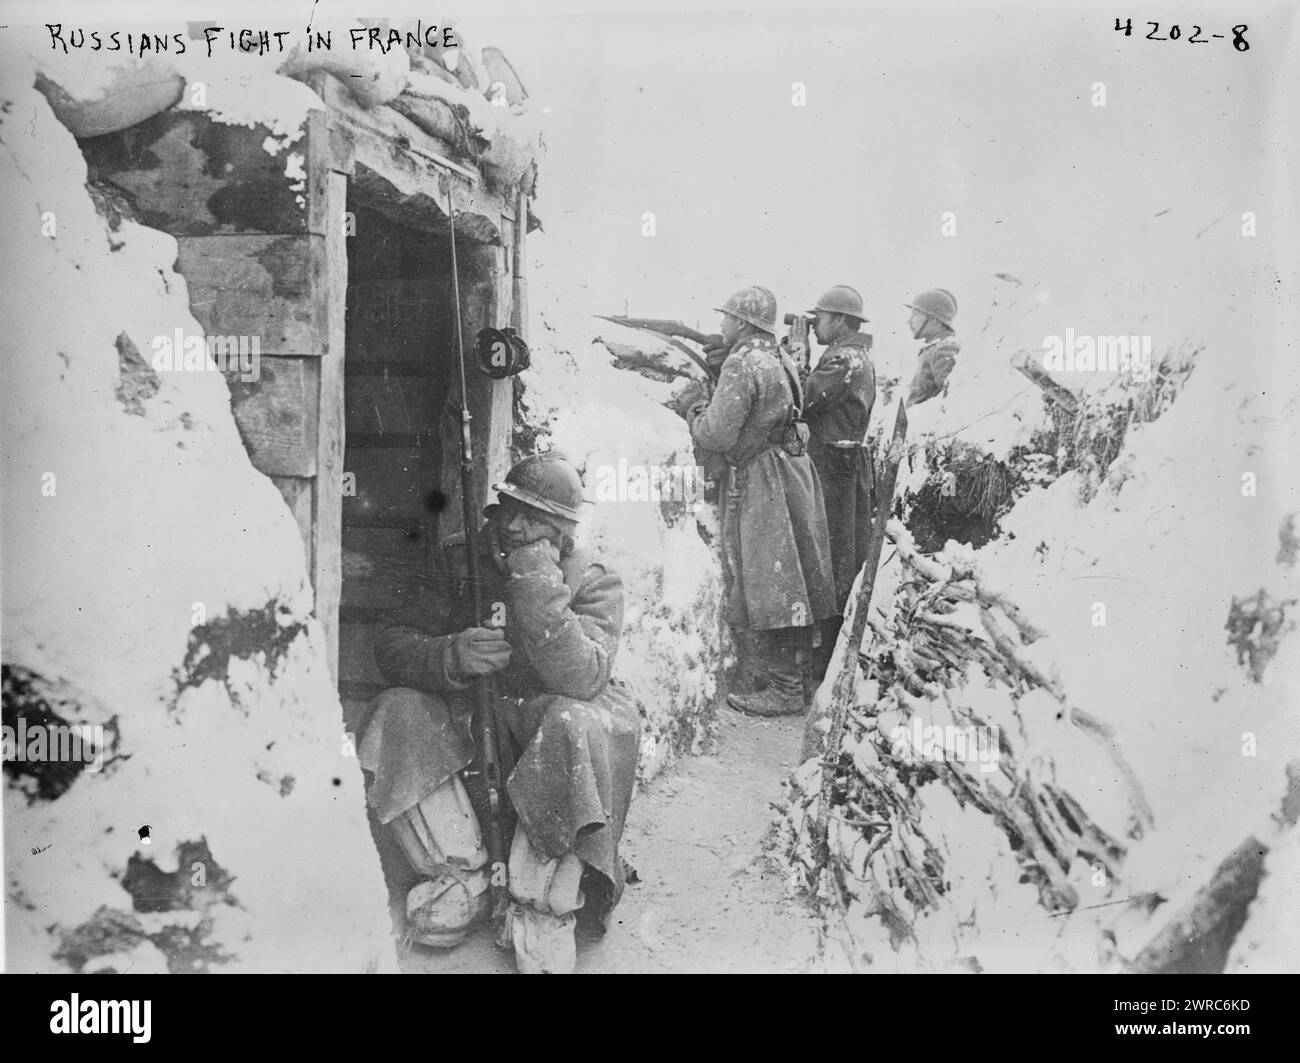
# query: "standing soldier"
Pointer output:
{"type": "Point", "coordinates": [775, 550]}
{"type": "Point", "coordinates": [838, 396]}
{"type": "Point", "coordinates": [557, 614]}
{"type": "Point", "coordinates": [931, 321]}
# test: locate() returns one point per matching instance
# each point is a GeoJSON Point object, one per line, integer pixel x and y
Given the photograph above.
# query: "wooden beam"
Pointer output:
{"type": "Point", "coordinates": [1024, 362]}
{"type": "Point", "coordinates": [500, 396]}
{"type": "Point", "coordinates": [386, 126]}
{"type": "Point", "coordinates": [327, 522]}
{"type": "Point", "coordinates": [297, 492]}
{"type": "Point", "coordinates": [278, 414]}
{"type": "Point", "coordinates": [1198, 938]}
{"type": "Point", "coordinates": [404, 171]}
{"type": "Point", "coordinates": [268, 287]}
{"type": "Point", "coordinates": [519, 269]}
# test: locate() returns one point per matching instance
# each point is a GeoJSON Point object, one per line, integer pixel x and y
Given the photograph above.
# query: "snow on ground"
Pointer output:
{"type": "Point", "coordinates": [1164, 549]}
{"type": "Point", "coordinates": [1134, 589]}
{"type": "Point", "coordinates": [142, 551]}
{"type": "Point", "coordinates": [612, 424]}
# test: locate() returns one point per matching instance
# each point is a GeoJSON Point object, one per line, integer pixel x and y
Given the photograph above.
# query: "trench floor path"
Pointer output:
{"type": "Point", "coordinates": [707, 897]}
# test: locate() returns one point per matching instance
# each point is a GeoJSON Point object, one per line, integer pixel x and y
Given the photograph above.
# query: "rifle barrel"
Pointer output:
{"type": "Point", "coordinates": [484, 689]}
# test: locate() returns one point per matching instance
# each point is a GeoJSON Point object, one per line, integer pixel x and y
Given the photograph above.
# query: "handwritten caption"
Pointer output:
{"type": "Point", "coordinates": [248, 41]}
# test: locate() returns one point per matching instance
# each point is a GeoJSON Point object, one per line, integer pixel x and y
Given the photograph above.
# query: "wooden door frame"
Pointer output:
{"type": "Point", "coordinates": [339, 137]}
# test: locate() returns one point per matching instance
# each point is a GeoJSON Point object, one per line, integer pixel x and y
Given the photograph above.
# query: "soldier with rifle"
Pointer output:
{"type": "Point", "coordinates": [775, 550]}
{"type": "Point", "coordinates": [838, 396]}
{"type": "Point", "coordinates": [551, 617]}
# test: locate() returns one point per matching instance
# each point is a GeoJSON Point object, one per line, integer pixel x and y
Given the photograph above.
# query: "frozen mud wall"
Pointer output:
{"type": "Point", "coordinates": [154, 586]}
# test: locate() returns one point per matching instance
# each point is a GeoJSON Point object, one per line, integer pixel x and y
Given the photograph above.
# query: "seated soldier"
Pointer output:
{"type": "Point", "coordinates": [556, 617]}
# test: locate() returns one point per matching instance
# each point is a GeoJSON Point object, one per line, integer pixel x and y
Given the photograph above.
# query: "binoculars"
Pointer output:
{"type": "Point", "coordinates": [790, 319]}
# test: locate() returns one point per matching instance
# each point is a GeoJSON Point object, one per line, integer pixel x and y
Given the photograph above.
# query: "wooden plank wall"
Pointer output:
{"type": "Point", "coordinates": [265, 258]}
{"type": "Point", "coordinates": [398, 369]}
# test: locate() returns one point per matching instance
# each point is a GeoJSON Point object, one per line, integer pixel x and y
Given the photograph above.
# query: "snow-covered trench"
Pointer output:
{"type": "Point", "coordinates": [1165, 596]}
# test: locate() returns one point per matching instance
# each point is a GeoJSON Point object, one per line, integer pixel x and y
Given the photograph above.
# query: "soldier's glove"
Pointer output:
{"type": "Point", "coordinates": [479, 651]}
{"type": "Point", "coordinates": [689, 395]}
{"type": "Point", "coordinates": [715, 353]}
{"type": "Point", "coordinates": [796, 343]}
{"type": "Point", "coordinates": [538, 558]}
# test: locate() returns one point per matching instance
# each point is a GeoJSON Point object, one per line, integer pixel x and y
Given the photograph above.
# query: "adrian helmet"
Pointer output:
{"type": "Point", "coordinates": [754, 304]}
{"type": "Point", "coordinates": [841, 299]}
{"type": "Point", "coordinates": [548, 482]}
{"type": "Point", "coordinates": [938, 303]}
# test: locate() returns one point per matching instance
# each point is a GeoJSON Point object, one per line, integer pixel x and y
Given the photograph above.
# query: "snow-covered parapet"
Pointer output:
{"type": "Point", "coordinates": [470, 99]}
{"type": "Point", "coordinates": [645, 519]}
{"type": "Point", "coordinates": [1029, 400]}
{"type": "Point", "coordinates": [1139, 734]}
{"type": "Point", "coordinates": [156, 594]}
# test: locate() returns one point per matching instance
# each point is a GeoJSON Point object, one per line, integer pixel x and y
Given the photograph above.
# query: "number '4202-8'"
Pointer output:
{"type": "Point", "coordinates": [1197, 36]}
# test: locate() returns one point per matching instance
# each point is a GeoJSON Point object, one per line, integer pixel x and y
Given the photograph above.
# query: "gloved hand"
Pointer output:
{"type": "Point", "coordinates": [715, 352]}
{"type": "Point", "coordinates": [689, 394]}
{"type": "Point", "coordinates": [796, 343]}
{"type": "Point", "coordinates": [540, 557]}
{"type": "Point", "coordinates": [479, 651]}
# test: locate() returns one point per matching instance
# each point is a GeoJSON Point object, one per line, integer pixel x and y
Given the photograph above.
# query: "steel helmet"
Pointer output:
{"type": "Point", "coordinates": [548, 482]}
{"type": "Point", "coordinates": [754, 304]}
{"type": "Point", "coordinates": [841, 299]}
{"type": "Point", "coordinates": [937, 303]}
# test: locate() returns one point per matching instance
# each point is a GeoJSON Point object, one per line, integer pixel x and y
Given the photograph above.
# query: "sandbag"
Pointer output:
{"type": "Point", "coordinates": [434, 115]}
{"type": "Point", "coordinates": [508, 158]}
{"type": "Point", "coordinates": [371, 76]}
{"type": "Point", "coordinates": [137, 89]}
{"type": "Point", "coordinates": [502, 77]}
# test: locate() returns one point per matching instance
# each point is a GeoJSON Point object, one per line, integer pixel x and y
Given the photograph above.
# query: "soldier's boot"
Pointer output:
{"type": "Point", "coordinates": [545, 896]}
{"type": "Point", "coordinates": [543, 943]}
{"type": "Point", "coordinates": [751, 666]}
{"type": "Point", "coordinates": [440, 912]}
{"type": "Point", "coordinates": [783, 696]}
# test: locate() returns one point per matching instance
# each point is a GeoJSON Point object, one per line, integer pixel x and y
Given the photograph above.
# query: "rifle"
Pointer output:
{"type": "Point", "coordinates": [661, 325]}
{"type": "Point", "coordinates": [485, 695]}
{"type": "Point", "coordinates": [665, 331]}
